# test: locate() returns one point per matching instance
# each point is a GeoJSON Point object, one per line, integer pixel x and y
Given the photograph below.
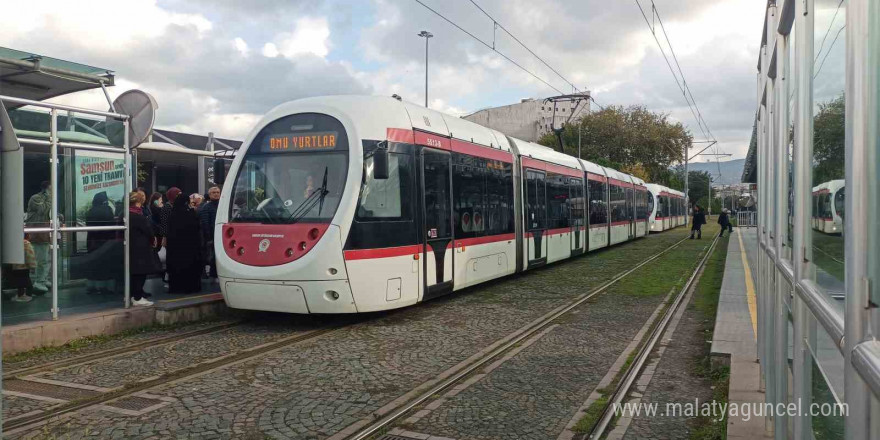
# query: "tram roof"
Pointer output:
{"type": "Point", "coordinates": [37, 77]}
{"type": "Point", "coordinates": [546, 154]}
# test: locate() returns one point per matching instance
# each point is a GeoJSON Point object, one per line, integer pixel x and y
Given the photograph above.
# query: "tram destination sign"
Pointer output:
{"type": "Point", "coordinates": [300, 142]}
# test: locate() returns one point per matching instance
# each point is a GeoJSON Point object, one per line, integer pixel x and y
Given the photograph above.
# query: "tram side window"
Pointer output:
{"type": "Point", "coordinates": [598, 207]}
{"type": "Point", "coordinates": [387, 199]}
{"type": "Point", "coordinates": [630, 204]}
{"type": "Point", "coordinates": [576, 202]}
{"type": "Point", "coordinates": [557, 201]}
{"type": "Point", "coordinates": [840, 202]}
{"type": "Point", "coordinates": [535, 201]}
{"type": "Point", "coordinates": [499, 208]}
{"type": "Point", "coordinates": [469, 185]}
{"type": "Point", "coordinates": [618, 204]}
{"type": "Point", "coordinates": [641, 205]}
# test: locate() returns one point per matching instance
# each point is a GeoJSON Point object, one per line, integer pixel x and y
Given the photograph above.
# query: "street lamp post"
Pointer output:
{"type": "Point", "coordinates": [427, 35]}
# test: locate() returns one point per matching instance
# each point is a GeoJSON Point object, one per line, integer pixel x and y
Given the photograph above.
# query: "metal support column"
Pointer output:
{"type": "Point", "coordinates": [53, 221]}
{"type": "Point", "coordinates": [127, 189]}
{"type": "Point", "coordinates": [858, 136]}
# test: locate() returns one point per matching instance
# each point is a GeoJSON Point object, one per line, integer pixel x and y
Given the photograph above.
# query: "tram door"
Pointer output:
{"type": "Point", "coordinates": [437, 257]}
{"type": "Point", "coordinates": [577, 211]}
{"type": "Point", "coordinates": [536, 218]}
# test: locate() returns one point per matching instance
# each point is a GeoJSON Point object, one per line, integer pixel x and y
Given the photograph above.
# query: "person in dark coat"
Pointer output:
{"type": "Point", "coordinates": [142, 260]}
{"type": "Point", "coordinates": [102, 244]}
{"type": "Point", "coordinates": [698, 221]}
{"type": "Point", "coordinates": [184, 252]}
{"type": "Point", "coordinates": [724, 221]}
{"type": "Point", "coordinates": [207, 216]}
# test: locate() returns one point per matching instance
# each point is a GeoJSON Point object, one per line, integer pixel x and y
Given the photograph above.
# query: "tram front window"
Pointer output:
{"type": "Point", "coordinates": [288, 188]}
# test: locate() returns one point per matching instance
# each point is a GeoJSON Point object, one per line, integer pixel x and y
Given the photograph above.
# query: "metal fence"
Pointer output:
{"type": "Point", "coordinates": [746, 219]}
{"type": "Point", "coordinates": [819, 256]}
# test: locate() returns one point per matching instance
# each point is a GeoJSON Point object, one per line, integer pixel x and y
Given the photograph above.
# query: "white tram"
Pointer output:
{"type": "Point", "coordinates": [829, 201]}
{"type": "Point", "coordinates": [667, 208]}
{"type": "Point", "coordinates": [352, 204]}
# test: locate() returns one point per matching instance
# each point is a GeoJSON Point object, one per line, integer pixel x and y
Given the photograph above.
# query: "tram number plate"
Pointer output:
{"type": "Point", "coordinates": [432, 233]}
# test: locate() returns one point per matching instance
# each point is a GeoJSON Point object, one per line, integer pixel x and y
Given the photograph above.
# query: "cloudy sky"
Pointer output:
{"type": "Point", "coordinates": [217, 65]}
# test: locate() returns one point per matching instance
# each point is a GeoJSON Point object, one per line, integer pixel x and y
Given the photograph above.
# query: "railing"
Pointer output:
{"type": "Point", "coordinates": [747, 219]}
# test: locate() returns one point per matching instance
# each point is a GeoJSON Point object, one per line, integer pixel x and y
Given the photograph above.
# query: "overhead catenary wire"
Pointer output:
{"type": "Point", "coordinates": [506, 57]}
{"type": "Point", "coordinates": [669, 65]}
{"type": "Point", "coordinates": [498, 25]}
{"type": "Point", "coordinates": [489, 46]}
{"type": "Point", "coordinates": [681, 73]}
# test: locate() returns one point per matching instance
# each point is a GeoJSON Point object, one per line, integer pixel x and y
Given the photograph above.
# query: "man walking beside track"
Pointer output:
{"type": "Point", "coordinates": [698, 221]}
{"type": "Point", "coordinates": [724, 221]}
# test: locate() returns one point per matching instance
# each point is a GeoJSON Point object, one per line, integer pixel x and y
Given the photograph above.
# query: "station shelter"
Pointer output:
{"type": "Point", "coordinates": [74, 214]}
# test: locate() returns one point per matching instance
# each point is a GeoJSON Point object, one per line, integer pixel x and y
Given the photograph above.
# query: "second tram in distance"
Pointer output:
{"type": "Point", "coordinates": [350, 204]}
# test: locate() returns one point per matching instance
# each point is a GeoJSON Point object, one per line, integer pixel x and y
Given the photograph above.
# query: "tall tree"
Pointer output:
{"type": "Point", "coordinates": [829, 136]}
{"type": "Point", "coordinates": [631, 139]}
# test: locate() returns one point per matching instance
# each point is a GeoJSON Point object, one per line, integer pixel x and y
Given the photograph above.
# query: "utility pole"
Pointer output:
{"type": "Point", "coordinates": [427, 35]}
{"type": "Point", "coordinates": [579, 140]}
{"type": "Point", "coordinates": [686, 175]}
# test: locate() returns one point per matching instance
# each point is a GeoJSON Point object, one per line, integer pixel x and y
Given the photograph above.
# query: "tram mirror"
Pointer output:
{"type": "Point", "coordinates": [380, 162]}
{"type": "Point", "coordinates": [219, 171]}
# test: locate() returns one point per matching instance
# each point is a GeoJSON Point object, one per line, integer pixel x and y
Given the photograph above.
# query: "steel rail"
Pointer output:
{"type": "Point", "coordinates": [105, 354]}
{"type": "Point", "coordinates": [28, 421]}
{"type": "Point", "coordinates": [398, 413]}
{"type": "Point", "coordinates": [632, 373]}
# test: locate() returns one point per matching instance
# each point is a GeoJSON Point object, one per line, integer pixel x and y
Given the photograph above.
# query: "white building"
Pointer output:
{"type": "Point", "coordinates": [530, 119]}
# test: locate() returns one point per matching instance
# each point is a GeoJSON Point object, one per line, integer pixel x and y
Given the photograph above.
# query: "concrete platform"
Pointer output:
{"type": "Point", "coordinates": [46, 333]}
{"type": "Point", "coordinates": [734, 342]}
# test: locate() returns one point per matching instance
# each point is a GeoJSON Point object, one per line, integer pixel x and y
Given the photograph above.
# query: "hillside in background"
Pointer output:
{"type": "Point", "coordinates": [731, 170]}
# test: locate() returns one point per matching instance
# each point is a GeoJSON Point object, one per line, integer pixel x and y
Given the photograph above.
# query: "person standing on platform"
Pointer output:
{"type": "Point", "coordinates": [184, 249]}
{"type": "Point", "coordinates": [207, 216]}
{"type": "Point", "coordinates": [39, 210]}
{"type": "Point", "coordinates": [142, 260]}
{"type": "Point", "coordinates": [99, 244]}
{"type": "Point", "coordinates": [724, 221]}
{"type": "Point", "coordinates": [19, 274]}
{"type": "Point", "coordinates": [697, 223]}
{"type": "Point", "coordinates": [165, 214]}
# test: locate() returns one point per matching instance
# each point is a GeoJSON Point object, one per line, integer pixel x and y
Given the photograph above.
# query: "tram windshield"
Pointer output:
{"type": "Point", "coordinates": [288, 188]}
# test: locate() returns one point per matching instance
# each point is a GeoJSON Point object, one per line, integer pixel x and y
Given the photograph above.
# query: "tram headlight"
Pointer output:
{"type": "Point", "coordinates": [332, 271]}
{"type": "Point", "coordinates": [230, 232]}
{"type": "Point", "coordinates": [314, 233]}
{"type": "Point", "coordinates": [331, 295]}
{"type": "Point", "coordinates": [289, 252]}
{"type": "Point", "coordinates": [302, 246]}
{"type": "Point", "coordinates": [241, 251]}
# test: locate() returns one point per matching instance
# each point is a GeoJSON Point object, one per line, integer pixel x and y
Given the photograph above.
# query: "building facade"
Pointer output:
{"type": "Point", "coordinates": [531, 119]}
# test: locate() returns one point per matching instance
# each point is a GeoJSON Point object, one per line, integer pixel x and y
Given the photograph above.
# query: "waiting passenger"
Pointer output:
{"type": "Point", "coordinates": [19, 277]}
{"type": "Point", "coordinates": [141, 239]}
{"type": "Point", "coordinates": [100, 244]}
{"type": "Point", "coordinates": [184, 249]}
{"type": "Point", "coordinates": [39, 210]}
{"type": "Point", "coordinates": [698, 221]}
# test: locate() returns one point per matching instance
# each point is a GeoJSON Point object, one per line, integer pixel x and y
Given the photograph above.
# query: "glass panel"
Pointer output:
{"type": "Point", "coordinates": [91, 187]}
{"type": "Point", "coordinates": [827, 421]}
{"type": "Point", "coordinates": [791, 97]}
{"type": "Point", "coordinates": [829, 68]}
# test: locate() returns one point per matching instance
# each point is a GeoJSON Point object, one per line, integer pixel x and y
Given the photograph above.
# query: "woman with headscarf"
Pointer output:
{"type": "Point", "coordinates": [142, 260]}
{"type": "Point", "coordinates": [101, 245]}
{"type": "Point", "coordinates": [184, 239]}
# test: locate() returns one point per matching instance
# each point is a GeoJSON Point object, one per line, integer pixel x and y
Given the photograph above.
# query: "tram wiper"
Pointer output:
{"type": "Point", "coordinates": [316, 197]}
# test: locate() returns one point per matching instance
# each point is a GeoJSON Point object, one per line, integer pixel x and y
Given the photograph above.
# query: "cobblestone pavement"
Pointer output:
{"type": "Point", "coordinates": [675, 380]}
{"type": "Point", "coordinates": [536, 393]}
{"type": "Point", "coordinates": [316, 388]}
{"type": "Point", "coordinates": [39, 357]}
{"type": "Point", "coordinates": [14, 406]}
{"type": "Point", "coordinates": [166, 358]}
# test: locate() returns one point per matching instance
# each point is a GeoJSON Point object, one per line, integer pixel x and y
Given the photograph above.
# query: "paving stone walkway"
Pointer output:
{"type": "Point", "coordinates": [317, 388]}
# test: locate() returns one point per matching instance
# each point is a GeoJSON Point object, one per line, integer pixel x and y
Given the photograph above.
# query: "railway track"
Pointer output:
{"type": "Point", "coordinates": [106, 354]}
{"type": "Point", "coordinates": [635, 368]}
{"type": "Point", "coordinates": [28, 421]}
{"type": "Point", "coordinates": [383, 423]}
